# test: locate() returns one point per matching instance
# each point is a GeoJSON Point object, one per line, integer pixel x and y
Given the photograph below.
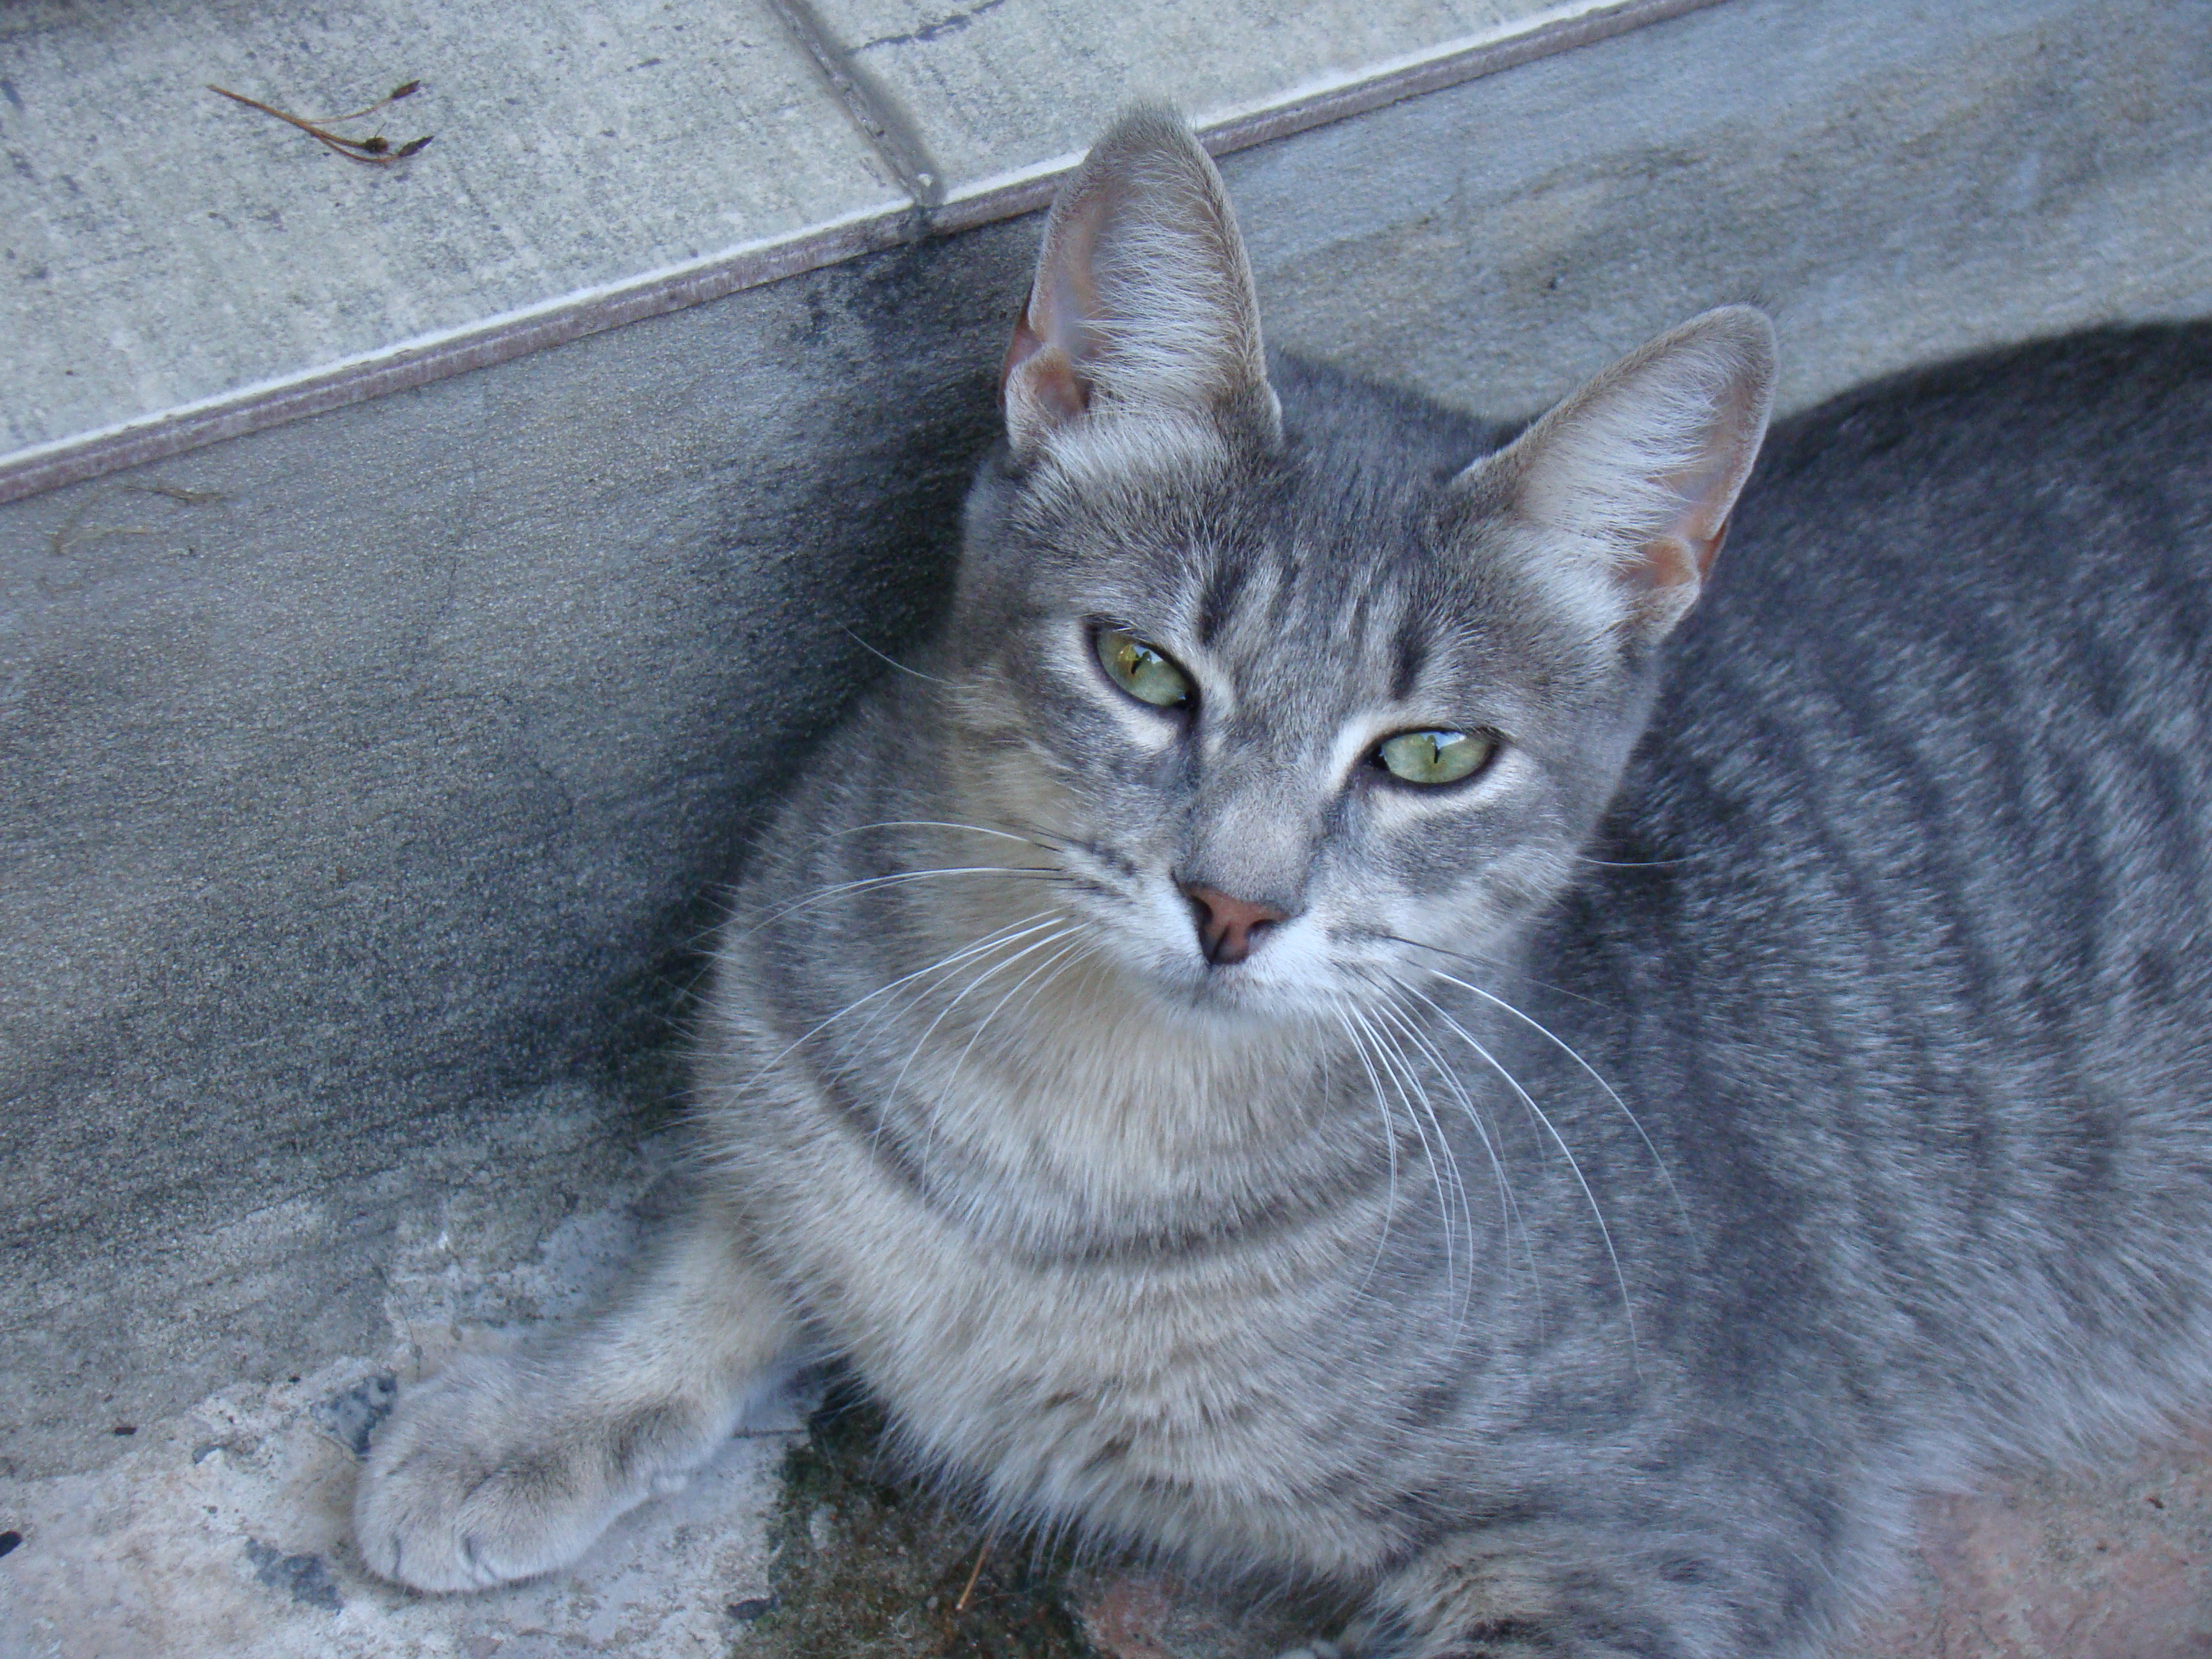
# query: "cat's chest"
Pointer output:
{"type": "Point", "coordinates": [1159, 1388]}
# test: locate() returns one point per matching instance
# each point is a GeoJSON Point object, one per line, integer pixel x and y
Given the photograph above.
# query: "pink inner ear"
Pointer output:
{"type": "Point", "coordinates": [1043, 379]}
{"type": "Point", "coordinates": [1023, 346]}
{"type": "Point", "coordinates": [1685, 550]}
{"type": "Point", "coordinates": [1710, 548]}
{"type": "Point", "coordinates": [1684, 556]}
{"type": "Point", "coordinates": [1670, 560]}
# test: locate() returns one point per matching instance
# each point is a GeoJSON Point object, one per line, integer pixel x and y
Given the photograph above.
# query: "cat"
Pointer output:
{"type": "Point", "coordinates": [1350, 1021]}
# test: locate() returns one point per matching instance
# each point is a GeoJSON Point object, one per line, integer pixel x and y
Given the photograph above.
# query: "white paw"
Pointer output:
{"type": "Point", "coordinates": [480, 1477]}
{"type": "Point", "coordinates": [1314, 1649]}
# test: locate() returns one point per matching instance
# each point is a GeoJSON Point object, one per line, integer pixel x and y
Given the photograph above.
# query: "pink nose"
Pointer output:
{"type": "Point", "coordinates": [1228, 927]}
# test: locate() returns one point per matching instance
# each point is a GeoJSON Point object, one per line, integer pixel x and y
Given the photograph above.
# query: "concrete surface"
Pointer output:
{"type": "Point", "coordinates": [574, 147]}
{"type": "Point", "coordinates": [367, 779]}
{"type": "Point", "coordinates": [226, 1530]}
{"type": "Point", "coordinates": [2112, 1564]}
{"type": "Point", "coordinates": [997, 89]}
{"type": "Point", "coordinates": [365, 799]}
{"type": "Point", "coordinates": [586, 166]}
{"type": "Point", "coordinates": [1895, 182]}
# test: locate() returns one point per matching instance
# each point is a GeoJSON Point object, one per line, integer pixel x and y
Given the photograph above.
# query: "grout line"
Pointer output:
{"type": "Point", "coordinates": [1324, 102]}
{"type": "Point", "coordinates": [877, 116]}
{"type": "Point", "coordinates": [481, 343]}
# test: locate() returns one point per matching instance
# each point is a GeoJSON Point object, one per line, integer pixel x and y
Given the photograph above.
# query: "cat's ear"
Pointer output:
{"type": "Point", "coordinates": [1636, 473]}
{"type": "Point", "coordinates": [1143, 302]}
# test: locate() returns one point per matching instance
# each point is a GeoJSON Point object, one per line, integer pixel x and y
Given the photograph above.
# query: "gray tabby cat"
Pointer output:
{"type": "Point", "coordinates": [1330, 1032]}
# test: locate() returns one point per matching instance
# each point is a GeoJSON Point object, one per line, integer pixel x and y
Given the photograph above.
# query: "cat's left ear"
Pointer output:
{"type": "Point", "coordinates": [1632, 478]}
{"type": "Point", "coordinates": [1143, 303]}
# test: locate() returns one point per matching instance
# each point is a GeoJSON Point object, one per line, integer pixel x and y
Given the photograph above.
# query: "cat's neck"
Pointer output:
{"type": "Point", "coordinates": [1093, 1112]}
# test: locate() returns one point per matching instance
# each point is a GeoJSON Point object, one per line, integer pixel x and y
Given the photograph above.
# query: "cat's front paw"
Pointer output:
{"type": "Point", "coordinates": [485, 1474]}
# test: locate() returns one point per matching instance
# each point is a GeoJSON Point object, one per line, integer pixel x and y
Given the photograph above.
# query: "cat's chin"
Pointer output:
{"type": "Point", "coordinates": [1229, 1002]}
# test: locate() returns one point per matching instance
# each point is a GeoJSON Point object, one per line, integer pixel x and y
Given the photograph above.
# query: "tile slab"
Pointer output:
{"type": "Point", "coordinates": [995, 89]}
{"type": "Point", "coordinates": [176, 269]}
{"type": "Point", "coordinates": [160, 245]}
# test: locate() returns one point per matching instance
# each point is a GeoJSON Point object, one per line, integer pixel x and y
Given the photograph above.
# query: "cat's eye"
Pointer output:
{"type": "Point", "coordinates": [1435, 757]}
{"type": "Point", "coordinates": [1144, 672]}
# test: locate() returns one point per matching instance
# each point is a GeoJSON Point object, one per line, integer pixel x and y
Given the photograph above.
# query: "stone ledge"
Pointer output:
{"type": "Point", "coordinates": [202, 377]}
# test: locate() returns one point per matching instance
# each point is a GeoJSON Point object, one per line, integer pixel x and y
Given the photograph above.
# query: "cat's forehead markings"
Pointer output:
{"type": "Point", "coordinates": [1409, 655]}
{"type": "Point", "coordinates": [1234, 613]}
{"type": "Point", "coordinates": [1217, 599]}
{"type": "Point", "coordinates": [1373, 633]}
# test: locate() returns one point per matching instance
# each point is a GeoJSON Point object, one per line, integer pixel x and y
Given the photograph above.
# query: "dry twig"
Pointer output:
{"type": "Point", "coordinates": [375, 151]}
{"type": "Point", "coordinates": [982, 1556]}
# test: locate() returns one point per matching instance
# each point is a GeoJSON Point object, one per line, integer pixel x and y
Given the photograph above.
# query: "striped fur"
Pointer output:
{"type": "Point", "coordinates": [1776, 1084]}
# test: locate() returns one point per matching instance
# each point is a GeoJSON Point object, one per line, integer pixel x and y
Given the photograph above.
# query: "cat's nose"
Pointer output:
{"type": "Point", "coordinates": [1228, 927]}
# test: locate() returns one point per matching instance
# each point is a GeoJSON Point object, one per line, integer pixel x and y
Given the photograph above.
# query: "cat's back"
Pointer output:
{"type": "Point", "coordinates": [1950, 693]}
{"type": "Point", "coordinates": [2074, 402]}
{"type": "Point", "coordinates": [2054, 483]}
{"type": "Point", "coordinates": [1909, 885]}
{"type": "Point", "coordinates": [1965, 610]}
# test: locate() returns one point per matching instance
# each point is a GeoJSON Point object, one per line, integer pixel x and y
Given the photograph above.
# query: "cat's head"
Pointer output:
{"type": "Point", "coordinates": [1294, 678]}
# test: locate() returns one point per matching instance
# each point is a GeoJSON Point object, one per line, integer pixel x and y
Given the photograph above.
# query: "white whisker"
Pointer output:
{"type": "Point", "coordinates": [1568, 1049]}
{"type": "Point", "coordinates": [892, 660]}
{"type": "Point", "coordinates": [1389, 1140]}
{"type": "Point", "coordinates": [942, 823]}
{"type": "Point", "coordinates": [1384, 1055]}
{"type": "Point", "coordinates": [816, 896]}
{"type": "Point", "coordinates": [1476, 960]}
{"type": "Point", "coordinates": [920, 1043]}
{"type": "Point", "coordinates": [930, 1119]}
{"type": "Point", "coordinates": [1509, 1207]}
{"type": "Point", "coordinates": [1451, 1157]}
{"type": "Point", "coordinates": [1016, 930]}
{"type": "Point", "coordinates": [1083, 952]}
{"type": "Point", "coordinates": [976, 1036]}
{"type": "Point", "coordinates": [1620, 1278]}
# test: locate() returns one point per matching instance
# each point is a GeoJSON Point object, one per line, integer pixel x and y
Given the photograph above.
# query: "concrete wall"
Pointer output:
{"type": "Point", "coordinates": [378, 778]}
{"type": "Point", "coordinates": [364, 782]}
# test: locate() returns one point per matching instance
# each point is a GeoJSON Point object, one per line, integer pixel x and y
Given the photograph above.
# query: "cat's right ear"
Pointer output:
{"type": "Point", "coordinates": [1143, 302]}
{"type": "Point", "coordinates": [1631, 481]}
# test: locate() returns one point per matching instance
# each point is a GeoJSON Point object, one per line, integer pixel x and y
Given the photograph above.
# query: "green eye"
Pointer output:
{"type": "Point", "coordinates": [1144, 672]}
{"type": "Point", "coordinates": [1435, 757]}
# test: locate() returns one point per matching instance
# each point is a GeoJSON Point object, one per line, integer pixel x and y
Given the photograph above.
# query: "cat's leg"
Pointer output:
{"type": "Point", "coordinates": [502, 1466]}
{"type": "Point", "coordinates": [1546, 1590]}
